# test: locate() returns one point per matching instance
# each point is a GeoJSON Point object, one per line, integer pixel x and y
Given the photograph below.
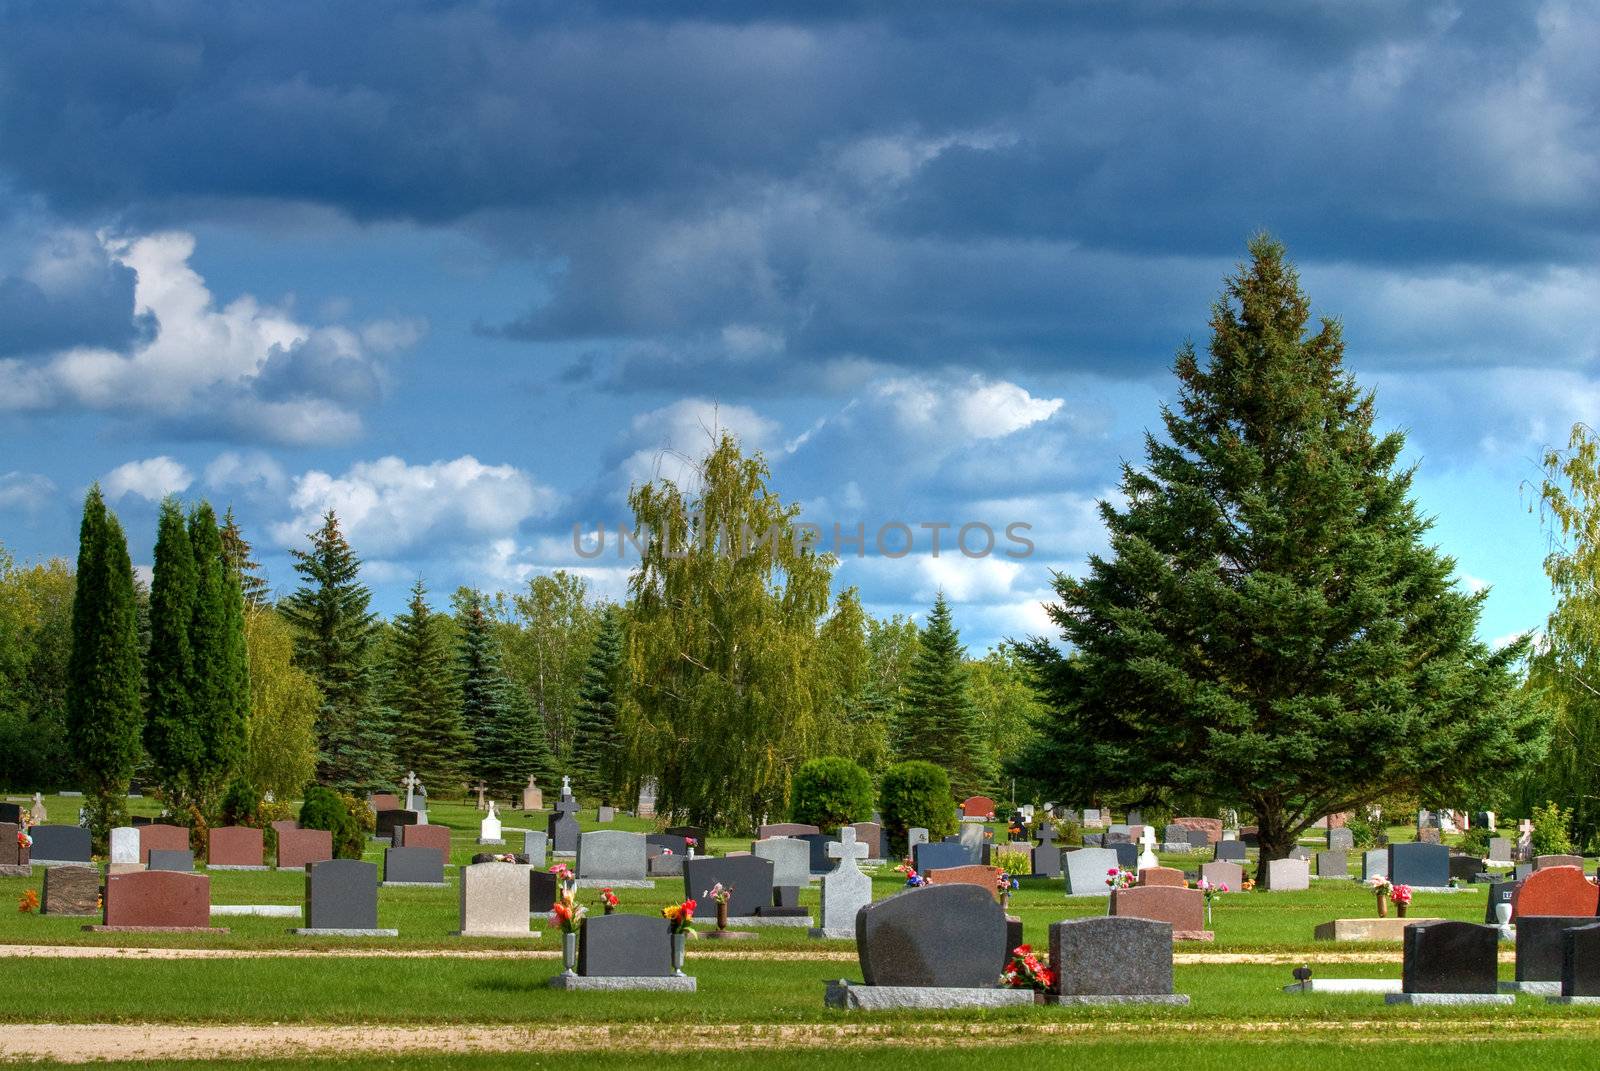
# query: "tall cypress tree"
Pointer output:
{"type": "Point", "coordinates": [939, 722]}
{"type": "Point", "coordinates": [1272, 626]}
{"type": "Point", "coordinates": [334, 642]}
{"type": "Point", "coordinates": [508, 741]}
{"type": "Point", "coordinates": [596, 760]}
{"type": "Point", "coordinates": [104, 704]}
{"type": "Point", "coordinates": [236, 550]}
{"type": "Point", "coordinates": [173, 727]}
{"type": "Point", "coordinates": [222, 674]}
{"type": "Point", "coordinates": [424, 694]}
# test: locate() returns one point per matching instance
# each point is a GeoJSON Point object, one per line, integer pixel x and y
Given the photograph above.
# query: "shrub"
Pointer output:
{"type": "Point", "coordinates": [241, 804]}
{"type": "Point", "coordinates": [1475, 841]}
{"type": "Point", "coordinates": [323, 809]}
{"type": "Point", "coordinates": [1552, 830]}
{"type": "Point", "coordinates": [361, 811]}
{"type": "Point", "coordinates": [831, 792]}
{"type": "Point", "coordinates": [1069, 835]}
{"type": "Point", "coordinates": [1366, 831]}
{"type": "Point", "coordinates": [1017, 864]}
{"type": "Point", "coordinates": [916, 793]}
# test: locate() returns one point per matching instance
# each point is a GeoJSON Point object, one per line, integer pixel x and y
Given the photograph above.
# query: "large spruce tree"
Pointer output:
{"type": "Point", "coordinates": [938, 721]}
{"type": "Point", "coordinates": [221, 664]}
{"type": "Point", "coordinates": [424, 694]}
{"type": "Point", "coordinates": [334, 641]}
{"type": "Point", "coordinates": [596, 763]}
{"type": "Point", "coordinates": [172, 731]}
{"type": "Point", "coordinates": [236, 549]}
{"type": "Point", "coordinates": [1270, 627]}
{"type": "Point", "coordinates": [104, 705]}
{"type": "Point", "coordinates": [507, 732]}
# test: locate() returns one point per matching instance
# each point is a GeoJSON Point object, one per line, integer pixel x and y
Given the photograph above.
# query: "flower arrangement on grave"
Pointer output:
{"type": "Point", "coordinates": [28, 902]}
{"type": "Point", "coordinates": [503, 857]}
{"type": "Point", "coordinates": [1004, 886]}
{"type": "Point", "coordinates": [720, 894]}
{"type": "Point", "coordinates": [565, 876]}
{"type": "Point", "coordinates": [567, 912]}
{"type": "Point", "coordinates": [680, 915]}
{"type": "Point", "coordinates": [913, 879]}
{"type": "Point", "coordinates": [609, 899]}
{"type": "Point", "coordinates": [1247, 885]}
{"type": "Point", "coordinates": [1117, 878]}
{"type": "Point", "coordinates": [689, 844]}
{"type": "Point", "coordinates": [24, 838]}
{"type": "Point", "coordinates": [1400, 896]}
{"type": "Point", "coordinates": [1211, 889]}
{"type": "Point", "coordinates": [1027, 971]}
{"type": "Point", "coordinates": [1379, 884]}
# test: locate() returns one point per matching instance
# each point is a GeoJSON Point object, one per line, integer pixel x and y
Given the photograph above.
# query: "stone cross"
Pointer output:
{"type": "Point", "coordinates": [846, 850]}
{"type": "Point", "coordinates": [493, 813]}
{"type": "Point", "coordinates": [1046, 833]}
{"type": "Point", "coordinates": [38, 813]}
{"type": "Point", "coordinates": [480, 788]}
{"type": "Point", "coordinates": [1147, 858]}
{"type": "Point", "coordinates": [566, 788]}
{"type": "Point", "coordinates": [1525, 840]}
{"type": "Point", "coordinates": [411, 782]}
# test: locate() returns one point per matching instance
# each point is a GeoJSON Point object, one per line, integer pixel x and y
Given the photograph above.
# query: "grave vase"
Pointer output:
{"type": "Point", "coordinates": [679, 939]}
{"type": "Point", "coordinates": [1502, 914]}
{"type": "Point", "coordinates": [1400, 910]}
{"type": "Point", "coordinates": [569, 951]}
{"type": "Point", "coordinates": [722, 914]}
{"type": "Point", "coordinates": [1383, 905]}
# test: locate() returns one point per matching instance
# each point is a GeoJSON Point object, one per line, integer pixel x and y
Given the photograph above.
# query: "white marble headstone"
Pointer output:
{"type": "Point", "coordinates": [125, 845]}
{"type": "Point", "coordinates": [489, 828]}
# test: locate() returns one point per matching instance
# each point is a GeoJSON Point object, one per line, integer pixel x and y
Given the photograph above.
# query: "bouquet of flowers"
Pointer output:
{"type": "Point", "coordinates": [1400, 894]}
{"type": "Point", "coordinates": [563, 873]}
{"type": "Point", "coordinates": [719, 893]}
{"type": "Point", "coordinates": [1211, 888]}
{"type": "Point", "coordinates": [567, 912]}
{"type": "Point", "coordinates": [680, 916]}
{"type": "Point", "coordinates": [1378, 883]}
{"type": "Point", "coordinates": [609, 899]}
{"type": "Point", "coordinates": [1025, 971]}
{"type": "Point", "coordinates": [28, 902]}
{"type": "Point", "coordinates": [24, 839]}
{"type": "Point", "coordinates": [1117, 878]}
{"type": "Point", "coordinates": [690, 842]}
{"type": "Point", "coordinates": [1005, 885]}
{"type": "Point", "coordinates": [913, 879]}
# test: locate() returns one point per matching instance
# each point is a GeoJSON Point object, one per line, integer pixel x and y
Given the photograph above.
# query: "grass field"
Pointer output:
{"type": "Point", "coordinates": [760, 1001]}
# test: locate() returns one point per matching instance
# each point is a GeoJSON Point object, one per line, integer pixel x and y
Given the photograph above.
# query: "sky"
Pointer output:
{"type": "Point", "coordinates": [466, 273]}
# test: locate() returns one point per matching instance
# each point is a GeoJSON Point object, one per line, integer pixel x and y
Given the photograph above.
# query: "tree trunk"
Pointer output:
{"type": "Point", "coordinates": [1274, 839]}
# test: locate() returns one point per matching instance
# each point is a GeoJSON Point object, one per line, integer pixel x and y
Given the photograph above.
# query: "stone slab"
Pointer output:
{"type": "Point", "coordinates": [1345, 985]}
{"type": "Point", "coordinates": [1094, 1000]}
{"type": "Point", "coordinates": [676, 983]}
{"type": "Point", "coordinates": [266, 911]}
{"type": "Point", "coordinates": [1437, 999]}
{"type": "Point", "coordinates": [1373, 929]}
{"type": "Point", "coordinates": [857, 997]}
{"type": "Point", "coordinates": [339, 932]}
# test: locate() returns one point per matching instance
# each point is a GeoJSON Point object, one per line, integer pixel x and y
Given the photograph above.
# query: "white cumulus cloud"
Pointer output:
{"type": "Point", "coordinates": [153, 478]}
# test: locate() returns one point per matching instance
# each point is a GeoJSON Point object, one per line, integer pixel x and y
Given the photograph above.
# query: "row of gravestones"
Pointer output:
{"type": "Point", "coordinates": [1555, 955]}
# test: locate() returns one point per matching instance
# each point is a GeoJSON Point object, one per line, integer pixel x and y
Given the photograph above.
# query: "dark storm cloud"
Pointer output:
{"type": "Point", "coordinates": [92, 305]}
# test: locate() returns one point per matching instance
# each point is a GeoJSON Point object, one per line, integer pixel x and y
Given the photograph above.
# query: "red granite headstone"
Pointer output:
{"type": "Point", "coordinates": [12, 851]}
{"type": "Point", "coordinates": [987, 876]}
{"type": "Point", "coordinates": [977, 807]}
{"type": "Point", "coordinates": [297, 847]}
{"type": "Point", "coordinates": [163, 838]}
{"type": "Point", "coordinates": [166, 899]}
{"type": "Point", "coordinates": [236, 846]}
{"type": "Point", "coordinates": [430, 836]}
{"type": "Point", "coordinates": [1212, 827]}
{"type": "Point", "coordinates": [1162, 875]}
{"type": "Point", "coordinates": [1185, 909]}
{"type": "Point", "coordinates": [1556, 890]}
{"type": "Point", "coordinates": [383, 801]}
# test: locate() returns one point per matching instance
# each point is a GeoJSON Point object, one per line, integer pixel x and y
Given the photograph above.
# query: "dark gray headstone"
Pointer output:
{"type": "Point", "coordinates": [1341, 840]}
{"type": "Point", "coordinates": [749, 876]}
{"type": "Point", "coordinates": [818, 844]}
{"type": "Point", "coordinates": [1047, 861]}
{"type": "Point", "coordinates": [1232, 851]}
{"type": "Point", "coordinates": [564, 832]}
{"type": "Point", "coordinates": [656, 843]}
{"type": "Point", "coordinates": [1464, 867]}
{"type": "Point", "coordinates": [419, 865]}
{"type": "Point", "coordinates": [1112, 955]}
{"type": "Point", "coordinates": [11, 812]}
{"type": "Point", "coordinates": [542, 889]}
{"type": "Point", "coordinates": [1450, 957]}
{"type": "Point", "coordinates": [941, 856]}
{"type": "Point", "coordinates": [1299, 852]}
{"type": "Point", "coordinates": [1127, 855]}
{"type": "Point", "coordinates": [1094, 840]}
{"type": "Point", "coordinates": [68, 844]}
{"type": "Point", "coordinates": [342, 894]}
{"type": "Point", "coordinates": [389, 821]}
{"type": "Point", "coordinates": [167, 859]}
{"type": "Point", "coordinates": [1523, 870]}
{"type": "Point", "coordinates": [696, 832]}
{"type": "Point", "coordinates": [1580, 961]}
{"type": "Point", "coordinates": [1539, 944]}
{"type": "Point", "coordinates": [1333, 864]}
{"type": "Point", "coordinates": [627, 946]}
{"type": "Point", "coordinates": [1197, 838]}
{"type": "Point", "coordinates": [938, 935]}
{"type": "Point", "coordinates": [1419, 865]}
{"type": "Point", "coordinates": [1500, 892]}
{"type": "Point", "coordinates": [786, 896]}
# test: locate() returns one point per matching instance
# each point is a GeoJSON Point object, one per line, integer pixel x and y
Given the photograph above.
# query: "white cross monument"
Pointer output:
{"type": "Point", "coordinates": [411, 781]}
{"type": "Point", "coordinates": [845, 889]}
{"type": "Point", "coordinates": [1147, 858]}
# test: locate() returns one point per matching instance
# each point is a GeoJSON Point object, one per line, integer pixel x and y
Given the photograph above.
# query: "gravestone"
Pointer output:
{"type": "Point", "coordinates": [60, 844]}
{"type": "Point", "coordinates": [1374, 863]}
{"type": "Point", "coordinates": [383, 801]}
{"type": "Point", "coordinates": [1223, 873]}
{"type": "Point", "coordinates": [1199, 838]}
{"type": "Point", "coordinates": [298, 848]}
{"type": "Point", "coordinates": [430, 836]}
{"type": "Point", "coordinates": [1580, 962]}
{"type": "Point", "coordinates": [494, 900]}
{"type": "Point", "coordinates": [489, 829]}
{"type": "Point", "coordinates": [1425, 866]}
{"type": "Point", "coordinates": [845, 889]}
{"type": "Point", "coordinates": [791, 859]}
{"type": "Point", "coordinates": [1288, 875]}
{"type": "Point", "coordinates": [1464, 867]}
{"type": "Point", "coordinates": [977, 807]}
{"type": "Point", "coordinates": [542, 889]}
{"type": "Point", "coordinates": [816, 852]}
{"type": "Point", "coordinates": [158, 899]}
{"type": "Point", "coordinates": [1233, 851]}
{"type": "Point", "coordinates": [749, 876]}
{"type": "Point", "coordinates": [563, 828]}
{"type": "Point", "coordinates": [1539, 943]}
{"type": "Point", "coordinates": [11, 813]}
{"type": "Point", "coordinates": [647, 799]}
{"type": "Point", "coordinates": [342, 898]}
{"type": "Point", "coordinates": [1449, 957]}
{"type": "Point", "coordinates": [1046, 861]}
{"type": "Point", "coordinates": [625, 946]}
{"type": "Point", "coordinates": [606, 814]}
{"type": "Point", "coordinates": [1086, 871]}
{"type": "Point", "coordinates": [158, 836]}
{"type": "Point", "coordinates": [1175, 838]}
{"type": "Point", "coordinates": [178, 862]}
{"type": "Point", "coordinates": [940, 855]}
{"type": "Point", "coordinates": [1119, 833]}
{"type": "Point", "coordinates": [1500, 850]}
{"type": "Point", "coordinates": [1428, 835]}
{"type": "Point", "coordinates": [1341, 839]}
{"type": "Point", "coordinates": [1500, 892]}
{"type": "Point", "coordinates": [235, 848]}
{"type": "Point", "coordinates": [1127, 855]}
{"type": "Point", "coordinates": [658, 843]}
{"type": "Point", "coordinates": [412, 866]}
{"type": "Point", "coordinates": [1162, 875]}
{"type": "Point", "coordinates": [1333, 864]}
{"type": "Point", "coordinates": [914, 836]}
{"type": "Point", "coordinates": [1092, 818]}
{"type": "Point", "coordinates": [784, 829]}
{"type": "Point", "coordinates": [694, 833]}
{"type": "Point", "coordinates": [13, 852]}
{"type": "Point", "coordinates": [533, 797]}
{"type": "Point", "coordinates": [125, 847]}
{"type": "Point", "coordinates": [536, 845]}
{"type": "Point", "coordinates": [1300, 852]}
{"type": "Point", "coordinates": [871, 834]}
{"type": "Point", "coordinates": [1122, 958]}
{"type": "Point", "coordinates": [1211, 827]}
{"type": "Point", "coordinates": [941, 936]}
{"type": "Point", "coordinates": [612, 857]}
{"type": "Point", "coordinates": [1184, 909]}
{"type": "Point", "coordinates": [1542, 862]}
{"type": "Point", "coordinates": [973, 837]}
{"type": "Point", "coordinates": [388, 821]}
{"type": "Point", "coordinates": [982, 876]}
{"type": "Point", "coordinates": [1559, 890]}
{"type": "Point", "coordinates": [71, 890]}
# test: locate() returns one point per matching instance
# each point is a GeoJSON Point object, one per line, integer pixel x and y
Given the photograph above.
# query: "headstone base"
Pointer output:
{"type": "Point", "coordinates": [672, 984]}
{"type": "Point", "coordinates": [519, 934]}
{"type": "Point", "coordinates": [1090, 1000]}
{"type": "Point", "coordinates": [1573, 1000]}
{"type": "Point", "coordinates": [618, 883]}
{"type": "Point", "coordinates": [1448, 998]}
{"type": "Point", "coordinates": [14, 870]}
{"type": "Point", "coordinates": [1345, 985]}
{"type": "Point", "coordinates": [729, 935]}
{"type": "Point", "coordinates": [155, 929]}
{"type": "Point", "coordinates": [563, 855]}
{"type": "Point", "coordinates": [412, 884]}
{"type": "Point", "coordinates": [61, 862]}
{"type": "Point", "coordinates": [266, 911]}
{"type": "Point", "coordinates": [344, 933]}
{"type": "Point", "coordinates": [843, 994]}
{"type": "Point", "coordinates": [1193, 935]}
{"type": "Point", "coordinates": [838, 933]}
{"type": "Point", "coordinates": [485, 840]}
{"type": "Point", "coordinates": [231, 866]}
{"type": "Point", "coordinates": [773, 920]}
{"type": "Point", "coordinates": [1373, 929]}
{"type": "Point", "coordinates": [123, 868]}
{"type": "Point", "coordinates": [1536, 989]}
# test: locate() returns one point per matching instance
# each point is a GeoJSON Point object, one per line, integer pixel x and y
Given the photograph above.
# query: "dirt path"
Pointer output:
{"type": "Point", "coordinates": [83, 1043]}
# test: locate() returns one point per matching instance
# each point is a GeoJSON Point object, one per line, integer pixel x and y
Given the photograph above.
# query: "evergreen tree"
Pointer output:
{"type": "Point", "coordinates": [596, 763]}
{"type": "Point", "coordinates": [104, 706]}
{"type": "Point", "coordinates": [334, 643]}
{"type": "Point", "coordinates": [1271, 626]}
{"type": "Point", "coordinates": [221, 664]}
{"type": "Point", "coordinates": [424, 695]}
{"type": "Point", "coordinates": [939, 723]}
{"type": "Point", "coordinates": [236, 549]}
{"type": "Point", "coordinates": [172, 731]}
{"type": "Point", "coordinates": [507, 733]}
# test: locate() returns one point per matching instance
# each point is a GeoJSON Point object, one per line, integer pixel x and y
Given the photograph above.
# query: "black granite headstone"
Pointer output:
{"type": "Point", "coordinates": [1047, 861]}
{"type": "Point", "coordinates": [1450, 957]}
{"type": "Point", "coordinates": [413, 865]}
{"type": "Point", "coordinates": [940, 856]}
{"type": "Point", "coordinates": [1539, 945]}
{"type": "Point", "coordinates": [785, 896]}
{"type": "Point", "coordinates": [167, 859]}
{"type": "Point", "coordinates": [1464, 867]}
{"type": "Point", "coordinates": [749, 876]}
{"type": "Point", "coordinates": [696, 832]}
{"type": "Point", "coordinates": [1419, 865]}
{"type": "Point", "coordinates": [937, 935]}
{"type": "Point", "coordinates": [342, 894]}
{"type": "Point", "coordinates": [629, 946]}
{"type": "Point", "coordinates": [564, 831]}
{"type": "Point", "coordinates": [821, 863]}
{"type": "Point", "coordinates": [387, 821]}
{"type": "Point", "coordinates": [11, 812]}
{"type": "Point", "coordinates": [65, 844]}
{"type": "Point", "coordinates": [1112, 955]}
{"type": "Point", "coordinates": [1580, 961]}
{"type": "Point", "coordinates": [542, 890]}
{"type": "Point", "coordinates": [1127, 855]}
{"type": "Point", "coordinates": [656, 843]}
{"type": "Point", "coordinates": [1500, 892]}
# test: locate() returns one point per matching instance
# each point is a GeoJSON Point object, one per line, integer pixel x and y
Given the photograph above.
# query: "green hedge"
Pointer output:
{"type": "Point", "coordinates": [830, 793]}
{"type": "Point", "coordinates": [323, 809]}
{"type": "Point", "coordinates": [916, 793]}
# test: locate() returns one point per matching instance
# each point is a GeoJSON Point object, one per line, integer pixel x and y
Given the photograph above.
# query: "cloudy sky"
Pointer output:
{"type": "Point", "coordinates": [465, 272]}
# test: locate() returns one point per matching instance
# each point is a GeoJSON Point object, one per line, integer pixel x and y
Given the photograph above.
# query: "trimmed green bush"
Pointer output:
{"type": "Point", "coordinates": [323, 809]}
{"type": "Point", "coordinates": [916, 793]}
{"type": "Point", "coordinates": [241, 804]}
{"type": "Point", "coordinates": [830, 793]}
{"type": "Point", "coordinates": [1552, 830]}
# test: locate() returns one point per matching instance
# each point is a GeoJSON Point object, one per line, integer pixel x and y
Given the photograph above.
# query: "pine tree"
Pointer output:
{"type": "Point", "coordinates": [939, 722]}
{"type": "Point", "coordinates": [424, 694]}
{"type": "Point", "coordinates": [596, 743]}
{"type": "Point", "coordinates": [508, 738]}
{"type": "Point", "coordinates": [334, 642]}
{"type": "Point", "coordinates": [172, 731]}
{"type": "Point", "coordinates": [236, 549]}
{"type": "Point", "coordinates": [104, 706]}
{"type": "Point", "coordinates": [221, 665]}
{"type": "Point", "coordinates": [1271, 626]}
